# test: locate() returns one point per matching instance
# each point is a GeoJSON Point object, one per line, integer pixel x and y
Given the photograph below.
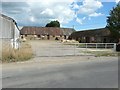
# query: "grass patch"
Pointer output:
{"type": "Point", "coordinates": [22, 54]}
{"type": "Point", "coordinates": [102, 53]}
{"type": "Point", "coordinates": [81, 45]}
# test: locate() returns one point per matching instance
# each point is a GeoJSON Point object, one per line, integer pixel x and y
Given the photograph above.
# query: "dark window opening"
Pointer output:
{"type": "Point", "coordinates": [104, 41]}
{"type": "Point", "coordinates": [48, 37]}
{"type": "Point", "coordinates": [22, 36]}
{"type": "Point", "coordinates": [38, 36]}
{"type": "Point", "coordinates": [87, 39]}
{"type": "Point", "coordinates": [65, 37]}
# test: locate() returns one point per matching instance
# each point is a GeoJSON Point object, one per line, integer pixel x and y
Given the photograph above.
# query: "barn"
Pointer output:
{"type": "Point", "coordinates": [9, 33]}
{"type": "Point", "coordinates": [101, 35]}
{"type": "Point", "coordinates": [47, 33]}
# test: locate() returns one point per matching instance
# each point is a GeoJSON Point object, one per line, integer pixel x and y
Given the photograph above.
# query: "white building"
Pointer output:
{"type": "Point", "coordinates": [9, 32]}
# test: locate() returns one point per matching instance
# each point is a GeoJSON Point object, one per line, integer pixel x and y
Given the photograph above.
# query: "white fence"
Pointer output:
{"type": "Point", "coordinates": [79, 48]}
{"type": "Point", "coordinates": [94, 45]}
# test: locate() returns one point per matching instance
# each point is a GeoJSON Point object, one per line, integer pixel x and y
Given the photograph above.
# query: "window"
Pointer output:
{"type": "Point", "coordinates": [38, 36]}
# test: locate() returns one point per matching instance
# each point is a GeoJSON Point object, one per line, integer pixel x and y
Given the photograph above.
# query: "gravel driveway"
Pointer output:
{"type": "Point", "coordinates": [45, 48]}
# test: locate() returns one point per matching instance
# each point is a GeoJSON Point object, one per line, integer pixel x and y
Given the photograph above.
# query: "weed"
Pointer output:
{"type": "Point", "coordinates": [21, 54]}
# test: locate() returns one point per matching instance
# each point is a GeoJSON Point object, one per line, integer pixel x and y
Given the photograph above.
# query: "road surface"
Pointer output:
{"type": "Point", "coordinates": [70, 72]}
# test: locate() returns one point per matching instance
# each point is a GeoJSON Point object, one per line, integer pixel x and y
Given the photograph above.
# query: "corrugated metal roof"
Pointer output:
{"type": "Point", "coordinates": [9, 18]}
{"type": "Point", "coordinates": [4, 16]}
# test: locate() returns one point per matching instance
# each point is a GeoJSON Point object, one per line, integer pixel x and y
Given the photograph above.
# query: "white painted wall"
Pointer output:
{"type": "Point", "coordinates": [15, 41]}
{"type": "Point", "coordinates": [9, 31]}
{"type": "Point", "coordinates": [7, 28]}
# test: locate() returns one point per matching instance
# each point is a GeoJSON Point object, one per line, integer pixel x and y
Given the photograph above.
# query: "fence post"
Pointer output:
{"type": "Point", "coordinates": [114, 47]}
{"type": "Point", "coordinates": [86, 45]}
{"type": "Point", "coordinates": [96, 45]}
{"type": "Point", "coordinates": [74, 49]}
{"type": "Point", "coordinates": [105, 45]}
{"type": "Point", "coordinates": [86, 48]}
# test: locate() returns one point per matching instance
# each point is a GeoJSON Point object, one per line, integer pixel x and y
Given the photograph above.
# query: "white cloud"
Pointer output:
{"type": "Point", "coordinates": [79, 21]}
{"type": "Point", "coordinates": [37, 1]}
{"type": "Point", "coordinates": [117, 1]}
{"type": "Point", "coordinates": [32, 19]}
{"type": "Point", "coordinates": [40, 12]}
{"type": "Point", "coordinates": [75, 6]}
{"type": "Point", "coordinates": [90, 7]}
{"type": "Point", "coordinates": [47, 11]}
{"type": "Point", "coordinates": [84, 18]}
{"type": "Point", "coordinates": [96, 14]}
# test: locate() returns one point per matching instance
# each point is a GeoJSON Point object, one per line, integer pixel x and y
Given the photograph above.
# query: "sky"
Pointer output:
{"type": "Point", "coordinates": [77, 14]}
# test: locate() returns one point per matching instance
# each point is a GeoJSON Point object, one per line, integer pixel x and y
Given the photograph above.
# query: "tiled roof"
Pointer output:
{"type": "Point", "coordinates": [46, 31]}
{"type": "Point", "coordinates": [93, 32]}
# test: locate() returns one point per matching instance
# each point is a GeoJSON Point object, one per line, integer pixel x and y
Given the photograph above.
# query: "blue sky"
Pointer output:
{"type": "Point", "coordinates": [95, 21]}
{"type": "Point", "coordinates": [80, 14]}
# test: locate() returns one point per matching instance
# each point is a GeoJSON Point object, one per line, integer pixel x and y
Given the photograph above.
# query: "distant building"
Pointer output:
{"type": "Point", "coordinates": [9, 33]}
{"type": "Point", "coordinates": [48, 33]}
{"type": "Point", "coordinates": [101, 35]}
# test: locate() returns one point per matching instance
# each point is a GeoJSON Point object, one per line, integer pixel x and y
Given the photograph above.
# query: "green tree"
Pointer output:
{"type": "Point", "coordinates": [53, 24]}
{"type": "Point", "coordinates": [113, 22]}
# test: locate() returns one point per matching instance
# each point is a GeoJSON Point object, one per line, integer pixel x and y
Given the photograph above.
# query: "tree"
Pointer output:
{"type": "Point", "coordinates": [53, 24]}
{"type": "Point", "coordinates": [113, 22]}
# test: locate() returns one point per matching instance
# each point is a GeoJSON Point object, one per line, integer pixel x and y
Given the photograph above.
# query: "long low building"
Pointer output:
{"type": "Point", "coordinates": [49, 33]}
{"type": "Point", "coordinates": [101, 35]}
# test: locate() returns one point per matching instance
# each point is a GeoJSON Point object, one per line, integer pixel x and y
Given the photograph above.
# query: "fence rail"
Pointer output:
{"type": "Point", "coordinates": [94, 45]}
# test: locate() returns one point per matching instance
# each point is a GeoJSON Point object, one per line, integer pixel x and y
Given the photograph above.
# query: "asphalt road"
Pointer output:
{"type": "Point", "coordinates": [96, 72]}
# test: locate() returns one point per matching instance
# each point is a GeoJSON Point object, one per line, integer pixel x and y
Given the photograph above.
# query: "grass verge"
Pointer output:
{"type": "Point", "coordinates": [102, 53]}
{"type": "Point", "coordinates": [22, 54]}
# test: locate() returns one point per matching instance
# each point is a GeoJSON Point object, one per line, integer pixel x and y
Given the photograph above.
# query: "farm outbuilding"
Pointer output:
{"type": "Point", "coordinates": [101, 35]}
{"type": "Point", "coordinates": [50, 33]}
{"type": "Point", "coordinates": [9, 33]}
